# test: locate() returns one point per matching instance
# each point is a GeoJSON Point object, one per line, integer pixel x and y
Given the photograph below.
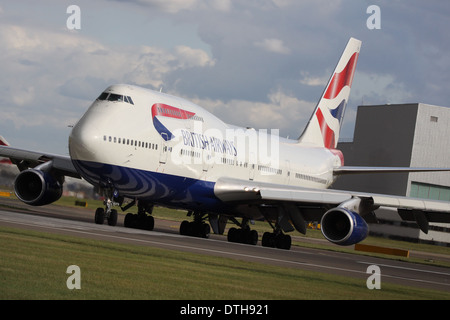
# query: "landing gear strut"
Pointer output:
{"type": "Point", "coordinates": [197, 228]}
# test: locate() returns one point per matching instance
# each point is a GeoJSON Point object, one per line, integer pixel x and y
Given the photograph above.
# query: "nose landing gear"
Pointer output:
{"type": "Point", "coordinates": [106, 213]}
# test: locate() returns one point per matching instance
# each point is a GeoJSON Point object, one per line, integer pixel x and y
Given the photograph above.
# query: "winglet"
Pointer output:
{"type": "Point", "coordinates": [3, 141]}
{"type": "Point", "coordinates": [324, 126]}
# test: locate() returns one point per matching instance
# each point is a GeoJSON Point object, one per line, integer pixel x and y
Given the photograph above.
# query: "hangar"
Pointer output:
{"type": "Point", "coordinates": [404, 135]}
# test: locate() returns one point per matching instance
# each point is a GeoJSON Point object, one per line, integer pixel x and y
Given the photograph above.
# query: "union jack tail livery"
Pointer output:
{"type": "Point", "coordinates": [324, 126]}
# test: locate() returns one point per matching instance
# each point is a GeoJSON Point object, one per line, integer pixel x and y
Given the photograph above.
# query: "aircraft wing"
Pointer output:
{"type": "Point", "coordinates": [25, 159]}
{"type": "Point", "coordinates": [305, 204]}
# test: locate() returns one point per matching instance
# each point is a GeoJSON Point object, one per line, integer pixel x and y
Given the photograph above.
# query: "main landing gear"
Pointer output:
{"type": "Point", "coordinates": [276, 239]}
{"type": "Point", "coordinates": [138, 221]}
{"type": "Point", "coordinates": [197, 228]}
{"type": "Point", "coordinates": [243, 234]}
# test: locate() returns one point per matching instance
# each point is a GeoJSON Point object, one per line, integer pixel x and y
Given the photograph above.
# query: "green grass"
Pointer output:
{"type": "Point", "coordinates": [33, 266]}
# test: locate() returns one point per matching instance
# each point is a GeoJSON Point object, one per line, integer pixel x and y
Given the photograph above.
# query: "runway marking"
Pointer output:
{"type": "Point", "coordinates": [406, 268]}
{"type": "Point", "coordinates": [410, 279]}
{"type": "Point", "coordinates": [74, 229]}
{"type": "Point", "coordinates": [190, 248]}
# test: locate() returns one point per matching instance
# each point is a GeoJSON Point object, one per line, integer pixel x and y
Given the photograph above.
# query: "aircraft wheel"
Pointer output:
{"type": "Point", "coordinates": [205, 230]}
{"type": "Point", "coordinates": [252, 237]}
{"type": "Point", "coordinates": [232, 235]}
{"type": "Point", "coordinates": [184, 228]}
{"type": "Point", "coordinates": [268, 240]}
{"type": "Point", "coordinates": [195, 229]}
{"type": "Point", "coordinates": [99, 216]}
{"type": "Point", "coordinates": [283, 241]}
{"type": "Point", "coordinates": [244, 236]}
{"type": "Point", "coordinates": [128, 221]}
{"type": "Point", "coordinates": [112, 219]}
{"type": "Point", "coordinates": [148, 223]}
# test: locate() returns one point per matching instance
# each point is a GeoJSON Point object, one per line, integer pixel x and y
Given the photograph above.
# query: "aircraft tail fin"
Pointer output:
{"type": "Point", "coordinates": [324, 126]}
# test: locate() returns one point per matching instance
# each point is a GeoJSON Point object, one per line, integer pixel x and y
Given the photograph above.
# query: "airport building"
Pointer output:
{"type": "Point", "coordinates": [401, 135]}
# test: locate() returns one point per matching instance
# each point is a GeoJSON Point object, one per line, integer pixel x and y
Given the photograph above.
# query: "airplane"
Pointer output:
{"type": "Point", "coordinates": [3, 142]}
{"type": "Point", "coordinates": [142, 147]}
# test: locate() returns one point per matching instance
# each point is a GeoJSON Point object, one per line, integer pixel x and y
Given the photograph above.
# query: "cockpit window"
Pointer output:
{"type": "Point", "coordinates": [115, 97]}
{"type": "Point", "coordinates": [103, 96]}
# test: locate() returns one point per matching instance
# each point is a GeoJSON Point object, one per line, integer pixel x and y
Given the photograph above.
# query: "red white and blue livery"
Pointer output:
{"type": "Point", "coordinates": [146, 148]}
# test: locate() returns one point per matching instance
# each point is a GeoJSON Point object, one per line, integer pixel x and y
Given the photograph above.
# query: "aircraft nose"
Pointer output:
{"type": "Point", "coordinates": [84, 141]}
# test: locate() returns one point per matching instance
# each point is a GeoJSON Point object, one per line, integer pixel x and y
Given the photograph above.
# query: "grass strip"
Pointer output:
{"type": "Point", "coordinates": [33, 266]}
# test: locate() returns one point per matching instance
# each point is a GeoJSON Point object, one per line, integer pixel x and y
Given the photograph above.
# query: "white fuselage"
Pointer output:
{"type": "Point", "coordinates": [153, 146]}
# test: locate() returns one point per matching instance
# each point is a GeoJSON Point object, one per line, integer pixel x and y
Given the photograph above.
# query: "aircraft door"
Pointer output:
{"type": "Point", "coordinates": [288, 171]}
{"type": "Point", "coordinates": [251, 166]}
{"type": "Point", "coordinates": [163, 152]}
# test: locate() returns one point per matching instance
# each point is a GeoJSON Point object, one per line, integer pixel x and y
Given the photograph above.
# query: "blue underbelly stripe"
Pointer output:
{"type": "Point", "coordinates": [151, 186]}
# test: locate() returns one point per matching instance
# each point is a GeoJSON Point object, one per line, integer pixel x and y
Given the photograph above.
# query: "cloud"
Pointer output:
{"type": "Point", "coordinates": [281, 111]}
{"type": "Point", "coordinates": [176, 6]}
{"type": "Point", "coordinates": [313, 81]}
{"type": "Point", "coordinates": [50, 76]}
{"type": "Point", "coordinates": [188, 57]}
{"type": "Point", "coordinates": [170, 6]}
{"type": "Point", "coordinates": [273, 45]}
{"type": "Point", "coordinates": [371, 88]}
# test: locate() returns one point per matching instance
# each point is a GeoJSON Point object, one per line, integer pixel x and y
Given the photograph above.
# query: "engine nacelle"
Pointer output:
{"type": "Point", "coordinates": [37, 188]}
{"type": "Point", "coordinates": [343, 226]}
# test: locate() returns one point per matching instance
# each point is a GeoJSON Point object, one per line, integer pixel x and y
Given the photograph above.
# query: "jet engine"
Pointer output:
{"type": "Point", "coordinates": [37, 188]}
{"type": "Point", "coordinates": [343, 226]}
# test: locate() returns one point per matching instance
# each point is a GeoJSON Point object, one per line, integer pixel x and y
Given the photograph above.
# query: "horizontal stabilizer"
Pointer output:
{"type": "Point", "coordinates": [354, 170]}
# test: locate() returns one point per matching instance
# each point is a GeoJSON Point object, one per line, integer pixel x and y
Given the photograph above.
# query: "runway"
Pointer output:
{"type": "Point", "coordinates": [79, 222]}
